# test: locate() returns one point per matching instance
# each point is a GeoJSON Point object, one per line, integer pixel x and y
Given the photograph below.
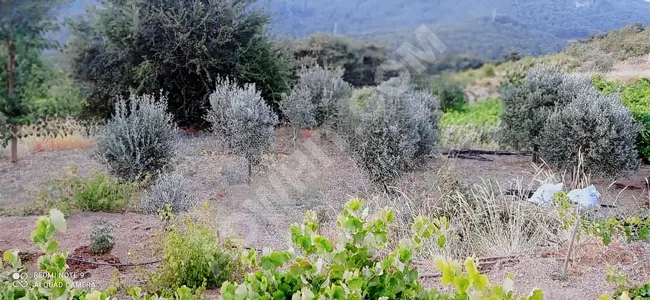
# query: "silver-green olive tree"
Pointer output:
{"type": "Point", "coordinates": [528, 103]}
{"type": "Point", "coordinates": [242, 120]}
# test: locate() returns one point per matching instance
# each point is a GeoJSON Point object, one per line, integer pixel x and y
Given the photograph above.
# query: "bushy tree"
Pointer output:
{"type": "Point", "coordinates": [23, 25]}
{"type": "Point", "coordinates": [359, 61]}
{"type": "Point", "coordinates": [181, 46]}
{"type": "Point", "coordinates": [596, 126]}
{"type": "Point", "coordinates": [528, 103]}
{"type": "Point", "coordinates": [299, 109]}
{"type": "Point", "coordinates": [140, 139]}
{"type": "Point", "coordinates": [392, 131]}
{"type": "Point", "coordinates": [241, 118]}
{"type": "Point", "coordinates": [449, 94]}
{"type": "Point", "coordinates": [327, 91]}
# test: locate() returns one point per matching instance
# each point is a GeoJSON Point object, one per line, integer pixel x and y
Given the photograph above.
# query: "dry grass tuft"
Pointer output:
{"type": "Point", "coordinates": [69, 142]}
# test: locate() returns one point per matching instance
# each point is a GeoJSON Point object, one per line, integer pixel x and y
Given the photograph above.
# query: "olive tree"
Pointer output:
{"type": "Point", "coordinates": [241, 118]}
{"type": "Point", "coordinates": [597, 127]}
{"type": "Point", "coordinates": [392, 131]}
{"type": "Point", "coordinates": [527, 104]}
{"type": "Point", "coordinates": [140, 139]}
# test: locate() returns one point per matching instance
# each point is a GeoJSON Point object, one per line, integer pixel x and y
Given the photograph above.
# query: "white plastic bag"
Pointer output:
{"type": "Point", "coordinates": [585, 198]}
{"type": "Point", "coordinates": [544, 194]}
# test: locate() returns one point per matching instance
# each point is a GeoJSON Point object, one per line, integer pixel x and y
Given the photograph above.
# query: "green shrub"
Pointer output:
{"type": "Point", "coordinates": [483, 113]}
{"type": "Point", "coordinates": [597, 127]}
{"type": "Point", "coordinates": [99, 193]}
{"type": "Point", "coordinates": [604, 86]}
{"type": "Point", "coordinates": [194, 255]}
{"type": "Point", "coordinates": [639, 293]}
{"type": "Point", "coordinates": [476, 126]}
{"type": "Point", "coordinates": [527, 104]}
{"type": "Point", "coordinates": [139, 140]}
{"type": "Point", "coordinates": [359, 266]}
{"type": "Point", "coordinates": [488, 70]}
{"type": "Point", "coordinates": [636, 97]}
{"type": "Point", "coordinates": [131, 44]}
{"type": "Point", "coordinates": [101, 238]}
{"type": "Point", "coordinates": [450, 95]}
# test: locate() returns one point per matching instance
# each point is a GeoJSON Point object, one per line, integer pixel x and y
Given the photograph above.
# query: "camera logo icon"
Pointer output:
{"type": "Point", "coordinates": [19, 280]}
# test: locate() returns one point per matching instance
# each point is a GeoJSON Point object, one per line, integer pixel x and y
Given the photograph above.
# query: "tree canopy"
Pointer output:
{"type": "Point", "coordinates": [179, 46]}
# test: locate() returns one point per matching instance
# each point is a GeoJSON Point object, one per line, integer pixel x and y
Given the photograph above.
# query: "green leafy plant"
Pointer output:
{"type": "Point", "coordinates": [476, 125]}
{"type": "Point", "coordinates": [604, 86]}
{"type": "Point", "coordinates": [57, 285]}
{"type": "Point", "coordinates": [358, 265]}
{"type": "Point", "coordinates": [101, 238]}
{"type": "Point", "coordinates": [97, 193]}
{"type": "Point", "coordinates": [632, 228]}
{"type": "Point", "coordinates": [194, 255]}
{"type": "Point", "coordinates": [639, 293]}
{"type": "Point", "coordinates": [636, 97]}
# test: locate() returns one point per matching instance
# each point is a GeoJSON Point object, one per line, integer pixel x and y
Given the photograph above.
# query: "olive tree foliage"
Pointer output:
{"type": "Point", "coordinates": [392, 131]}
{"type": "Point", "coordinates": [242, 120]}
{"type": "Point", "coordinates": [181, 46]}
{"type": "Point", "coordinates": [298, 108]}
{"type": "Point", "coordinates": [597, 127]}
{"type": "Point", "coordinates": [327, 92]}
{"type": "Point", "coordinates": [140, 139]}
{"type": "Point", "coordinates": [527, 104]}
{"type": "Point", "coordinates": [171, 190]}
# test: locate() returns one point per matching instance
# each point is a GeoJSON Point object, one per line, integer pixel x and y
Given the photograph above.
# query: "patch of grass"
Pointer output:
{"type": "Point", "coordinates": [475, 126]}
{"type": "Point", "coordinates": [485, 112]}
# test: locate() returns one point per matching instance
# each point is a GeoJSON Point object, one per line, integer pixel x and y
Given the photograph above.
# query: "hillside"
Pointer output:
{"type": "Point", "coordinates": [485, 29]}
{"type": "Point", "coordinates": [564, 18]}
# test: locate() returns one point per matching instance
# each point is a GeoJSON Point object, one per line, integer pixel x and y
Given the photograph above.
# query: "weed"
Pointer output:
{"type": "Point", "coordinates": [101, 238]}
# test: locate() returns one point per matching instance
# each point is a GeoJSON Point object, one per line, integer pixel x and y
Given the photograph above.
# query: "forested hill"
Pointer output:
{"type": "Point", "coordinates": [561, 18]}
{"type": "Point", "coordinates": [484, 28]}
